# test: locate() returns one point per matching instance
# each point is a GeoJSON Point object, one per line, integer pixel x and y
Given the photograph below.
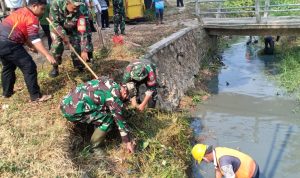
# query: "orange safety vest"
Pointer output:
{"type": "Point", "coordinates": [247, 167]}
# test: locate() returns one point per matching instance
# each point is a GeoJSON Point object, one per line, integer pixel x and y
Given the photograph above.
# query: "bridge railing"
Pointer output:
{"type": "Point", "coordinates": [259, 8]}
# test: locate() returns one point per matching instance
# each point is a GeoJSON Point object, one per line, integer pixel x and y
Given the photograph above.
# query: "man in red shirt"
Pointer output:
{"type": "Point", "coordinates": [19, 28]}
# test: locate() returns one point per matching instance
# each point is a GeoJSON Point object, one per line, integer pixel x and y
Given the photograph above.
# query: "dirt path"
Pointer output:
{"type": "Point", "coordinates": [141, 35]}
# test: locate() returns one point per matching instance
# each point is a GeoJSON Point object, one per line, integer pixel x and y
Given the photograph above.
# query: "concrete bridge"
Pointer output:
{"type": "Point", "coordinates": [248, 20]}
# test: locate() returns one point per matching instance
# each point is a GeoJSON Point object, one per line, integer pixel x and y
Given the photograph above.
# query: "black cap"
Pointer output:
{"type": "Point", "coordinates": [31, 2]}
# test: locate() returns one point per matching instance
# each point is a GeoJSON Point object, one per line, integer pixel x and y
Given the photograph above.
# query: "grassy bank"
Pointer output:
{"type": "Point", "coordinates": [288, 63]}
{"type": "Point", "coordinates": [36, 141]}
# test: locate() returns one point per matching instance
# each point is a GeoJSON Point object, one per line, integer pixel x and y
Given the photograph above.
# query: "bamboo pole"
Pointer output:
{"type": "Point", "coordinates": [73, 50]}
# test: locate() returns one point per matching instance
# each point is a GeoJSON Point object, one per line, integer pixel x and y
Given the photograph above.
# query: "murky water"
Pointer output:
{"type": "Point", "coordinates": [251, 113]}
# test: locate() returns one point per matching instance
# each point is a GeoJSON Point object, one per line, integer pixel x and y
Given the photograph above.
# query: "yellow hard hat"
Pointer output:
{"type": "Point", "coordinates": [198, 152]}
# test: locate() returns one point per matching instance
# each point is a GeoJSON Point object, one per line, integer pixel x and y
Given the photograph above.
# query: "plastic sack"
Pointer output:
{"type": "Point", "coordinates": [118, 40]}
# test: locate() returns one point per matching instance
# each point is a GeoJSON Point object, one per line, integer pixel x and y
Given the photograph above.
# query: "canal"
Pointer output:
{"type": "Point", "coordinates": [248, 111]}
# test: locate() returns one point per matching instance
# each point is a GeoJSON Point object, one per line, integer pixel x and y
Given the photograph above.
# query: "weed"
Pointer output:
{"type": "Point", "coordinates": [9, 167]}
{"type": "Point", "coordinates": [103, 53]}
{"type": "Point", "coordinates": [197, 99]}
{"type": "Point", "coordinates": [289, 68]}
{"type": "Point", "coordinates": [37, 141]}
{"type": "Point", "coordinates": [196, 95]}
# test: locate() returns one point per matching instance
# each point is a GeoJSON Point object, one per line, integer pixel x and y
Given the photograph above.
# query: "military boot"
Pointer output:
{"type": "Point", "coordinates": [54, 72]}
{"type": "Point", "coordinates": [97, 137]}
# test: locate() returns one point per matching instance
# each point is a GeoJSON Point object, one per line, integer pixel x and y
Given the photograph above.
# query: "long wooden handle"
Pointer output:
{"type": "Point", "coordinates": [74, 51]}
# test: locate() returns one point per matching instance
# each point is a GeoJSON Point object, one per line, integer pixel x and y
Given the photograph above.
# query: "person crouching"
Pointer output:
{"type": "Point", "coordinates": [98, 102]}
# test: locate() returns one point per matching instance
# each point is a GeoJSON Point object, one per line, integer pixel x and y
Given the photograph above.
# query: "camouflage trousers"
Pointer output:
{"type": "Point", "coordinates": [119, 20]}
{"type": "Point", "coordinates": [103, 121]}
{"type": "Point", "coordinates": [57, 47]}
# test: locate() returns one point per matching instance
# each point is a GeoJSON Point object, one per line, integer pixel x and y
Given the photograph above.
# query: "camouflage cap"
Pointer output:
{"type": "Point", "coordinates": [138, 72]}
{"type": "Point", "coordinates": [76, 2]}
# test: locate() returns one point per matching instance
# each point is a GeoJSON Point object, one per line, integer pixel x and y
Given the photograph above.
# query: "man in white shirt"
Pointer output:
{"type": "Point", "coordinates": [96, 7]}
{"type": "Point", "coordinates": [14, 4]}
{"type": "Point", "coordinates": [104, 13]}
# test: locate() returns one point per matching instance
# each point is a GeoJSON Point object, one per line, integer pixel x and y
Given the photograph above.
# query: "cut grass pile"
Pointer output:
{"type": "Point", "coordinates": [36, 141]}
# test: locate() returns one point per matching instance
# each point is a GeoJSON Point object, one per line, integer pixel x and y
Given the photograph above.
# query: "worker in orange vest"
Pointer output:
{"type": "Point", "coordinates": [228, 162]}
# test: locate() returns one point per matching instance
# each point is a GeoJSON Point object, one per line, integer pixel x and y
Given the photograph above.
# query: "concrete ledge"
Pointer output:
{"type": "Point", "coordinates": [178, 58]}
{"type": "Point", "coordinates": [153, 49]}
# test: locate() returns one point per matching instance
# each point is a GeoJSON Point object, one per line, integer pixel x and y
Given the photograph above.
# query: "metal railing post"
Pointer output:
{"type": "Point", "coordinates": [197, 8]}
{"type": "Point", "coordinates": [3, 6]}
{"type": "Point", "coordinates": [267, 7]}
{"type": "Point", "coordinates": [219, 10]}
{"type": "Point", "coordinates": [257, 10]}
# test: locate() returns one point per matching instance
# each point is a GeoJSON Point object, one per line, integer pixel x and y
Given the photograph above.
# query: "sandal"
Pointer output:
{"type": "Point", "coordinates": [43, 98]}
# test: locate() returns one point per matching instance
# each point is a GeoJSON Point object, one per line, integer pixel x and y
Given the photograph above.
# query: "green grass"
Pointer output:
{"type": "Point", "coordinates": [290, 70]}
{"type": "Point", "coordinates": [289, 67]}
{"type": "Point", "coordinates": [35, 140]}
{"type": "Point", "coordinates": [196, 95]}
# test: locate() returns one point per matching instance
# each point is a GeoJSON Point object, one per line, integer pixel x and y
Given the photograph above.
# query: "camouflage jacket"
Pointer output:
{"type": "Point", "coordinates": [64, 22]}
{"type": "Point", "coordinates": [141, 71]}
{"type": "Point", "coordinates": [96, 96]}
{"type": "Point", "coordinates": [118, 7]}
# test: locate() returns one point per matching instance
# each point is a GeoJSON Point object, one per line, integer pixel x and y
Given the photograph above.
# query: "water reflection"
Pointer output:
{"type": "Point", "coordinates": [249, 116]}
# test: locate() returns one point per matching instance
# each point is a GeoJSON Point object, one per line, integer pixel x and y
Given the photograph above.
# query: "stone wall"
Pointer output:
{"type": "Point", "coordinates": [178, 58]}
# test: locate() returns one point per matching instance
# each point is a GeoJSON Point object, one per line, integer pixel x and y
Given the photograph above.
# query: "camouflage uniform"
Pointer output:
{"type": "Point", "coordinates": [142, 72]}
{"type": "Point", "coordinates": [119, 16]}
{"type": "Point", "coordinates": [89, 33]}
{"type": "Point", "coordinates": [66, 24]}
{"type": "Point", "coordinates": [97, 102]}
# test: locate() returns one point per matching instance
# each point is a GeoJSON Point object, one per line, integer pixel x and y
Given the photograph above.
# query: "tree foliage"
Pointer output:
{"type": "Point", "coordinates": [243, 3]}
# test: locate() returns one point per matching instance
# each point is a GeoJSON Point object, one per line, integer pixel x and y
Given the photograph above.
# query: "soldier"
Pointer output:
{"type": "Point", "coordinates": [99, 102]}
{"type": "Point", "coordinates": [45, 24]}
{"type": "Point", "coordinates": [142, 72]}
{"type": "Point", "coordinates": [65, 15]}
{"type": "Point", "coordinates": [90, 51]}
{"type": "Point", "coordinates": [119, 16]}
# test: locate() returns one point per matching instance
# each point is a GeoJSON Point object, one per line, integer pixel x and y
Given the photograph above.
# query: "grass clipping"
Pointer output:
{"type": "Point", "coordinates": [36, 141]}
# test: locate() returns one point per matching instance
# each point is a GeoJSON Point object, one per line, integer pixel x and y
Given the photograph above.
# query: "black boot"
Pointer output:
{"type": "Point", "coordinates": [54, 72]}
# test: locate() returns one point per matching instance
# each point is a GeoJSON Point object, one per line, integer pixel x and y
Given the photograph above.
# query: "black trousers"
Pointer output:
{"type": "Point", "coordinates": [14, 55]}
{"type": "Point", "coordinates": [47, 33]}
{"type": "Point", "coordinates": [104, 19]}
{"type": "Point", "coordinates": [269, 45]}
{"type": "Point", "coordinates": [180, 2]}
